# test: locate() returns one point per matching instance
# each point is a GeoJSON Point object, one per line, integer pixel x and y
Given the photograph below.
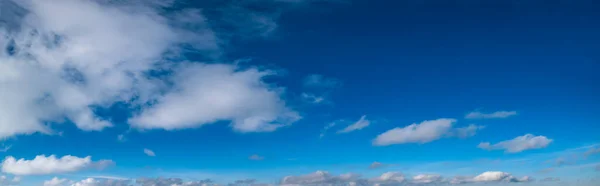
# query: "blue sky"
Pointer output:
{"type": "Point", "coordinates": [495, 91]}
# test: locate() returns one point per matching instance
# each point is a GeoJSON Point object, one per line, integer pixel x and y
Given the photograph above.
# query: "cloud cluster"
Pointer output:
{"type": "Point", "coordinates": [396, 178]}
{"type": "Point", "coordinates": [87, 182]}
{"type": "Point", "coordinates": [518, 144]}
{"type": "Point", "coordinates": [61, 60]}
{"type": "Point", "coordinates": [424, 132]}
{"type": "Point", "coordinates": [42, 165]}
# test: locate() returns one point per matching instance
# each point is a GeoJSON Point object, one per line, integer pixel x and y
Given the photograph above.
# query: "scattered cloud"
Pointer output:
{"type": "Point", "coordinates": [358, 125]}
{"type": "Point", "coordinates": [518, 144]}
{"type": "Point", "coordinates": [497, 114]}
{"type": "Point", "coordinates": [424, 132]}
{"type": "Point", "coordinates": [92, 54]}
{"type": "Point", "coordinates": [149, 152]}
{"type": "Point", "coordinates": [42, 165]}
{"type": "Point", "coordinates": [256, 157]}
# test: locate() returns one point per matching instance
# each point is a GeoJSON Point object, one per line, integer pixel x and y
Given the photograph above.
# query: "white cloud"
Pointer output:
{"type": "Point", "coordinates": [518, 144]}
{"type": "Point", "coordinates": [426, 178]}
{"type": "Point", "coordinates": [424, 132]}
{"type": "Point", "coordinates": [56, 182]}
{"type": "Point", "coordinates": [497, 176]}
{"type": "Point", "coordinates": [42, 165]}
{"type": "Point", "coordinates": [389, 178]}
{"type": "Point", "coordinates": [211, 93]}
{"type": "Point", "coordinates": [256, 157]}
{"type": "Point", "coordinates": [497, 114]}
{"type": "Point", "coordinates": [149, 152]}
{"type": "Point", "coordinates": [360, 124]}
{"type": "Point", "coordinates": [85, 54]}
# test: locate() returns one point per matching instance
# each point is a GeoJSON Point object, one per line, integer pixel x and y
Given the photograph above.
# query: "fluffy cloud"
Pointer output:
{"type": "Point", "coordinates": [497, 114]}
{"type": "Point", "coordinates": [149, 152]}
{"type": "Point", "coordinates": [426, 178]}
{"type": "Point", "coordinates": [62, 59]}
{"type": "Point", "coordinates": [41, 165]}
{"type": "Point", "coordinates": [518, 144]}
{"type": "Point", "coordinates": [424, 132]}
{"type": "Point", "coordinates": [360, 124]}
{"type": "Point", "coordinates": [210, 93]}
{"type": "Point", "coordinates": [496, 176]}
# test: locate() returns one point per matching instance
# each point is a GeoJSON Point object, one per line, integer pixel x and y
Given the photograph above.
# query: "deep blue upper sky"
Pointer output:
{"type": "Point", "coordinates": [398, 63]}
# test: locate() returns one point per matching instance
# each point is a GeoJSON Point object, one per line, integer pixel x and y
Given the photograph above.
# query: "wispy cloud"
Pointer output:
{"type": "Point", "coordinates": [424, 132]}
{"type": "Point", "coordinates": [497, 114]}
{"type": "Point", "coordinates": [363, 122]}
{"type": "Point", "coordinates": [256, 157]}
{"type": "Point", "coordinates": [518, 144]}
{"type": "Point", "coordinates": [149, 152]}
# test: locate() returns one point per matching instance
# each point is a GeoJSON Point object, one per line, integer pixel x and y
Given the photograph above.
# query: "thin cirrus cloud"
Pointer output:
{"type": "Point", "coordinates": [43, 165]}
{"type": "Point", "coordinates": [424, 132]}
{"type": "Point", "coordinates": [256, 157]}
{"type": "Point", "coordinates": [518, 144]}
{"type": "Point", "coordinates": [497, 114]}
{"type": "Point", "coordinates": [363, 122]}
{"type": "Point", "coordinates": [93, 54]}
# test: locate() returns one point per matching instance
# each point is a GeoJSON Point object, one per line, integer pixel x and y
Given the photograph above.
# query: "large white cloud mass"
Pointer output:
{"type": "Point", "coordinates": [62, 59]}
{"type": "Point", "coordinates": [42, 165]}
